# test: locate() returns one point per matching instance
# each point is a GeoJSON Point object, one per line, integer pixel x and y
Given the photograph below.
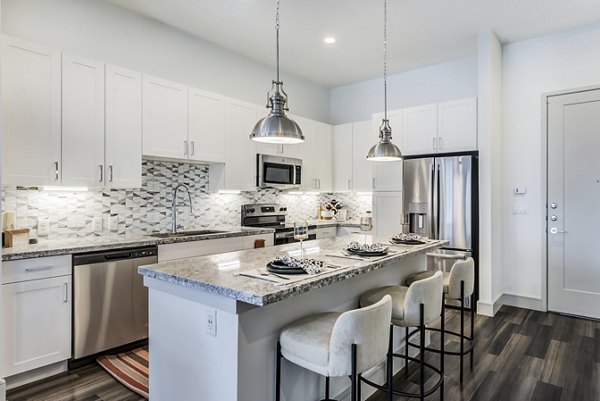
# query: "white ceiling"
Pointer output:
{"type": "Point", "coordinates": [420, 32]}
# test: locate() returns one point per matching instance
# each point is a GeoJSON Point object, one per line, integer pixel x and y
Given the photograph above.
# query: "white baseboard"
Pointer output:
{"type": "Point", "coordinates": [521, 301]}
{"type": "Point", "coordinates": [31, 376]}
{"type": "Point", "coordinates": [2, 390]}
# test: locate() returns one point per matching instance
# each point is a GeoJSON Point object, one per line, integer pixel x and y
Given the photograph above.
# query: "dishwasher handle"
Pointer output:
{"type": "Point", "coordinates": [118, 256]}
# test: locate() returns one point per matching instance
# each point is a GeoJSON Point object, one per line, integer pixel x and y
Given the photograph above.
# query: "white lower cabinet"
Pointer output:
{"type": "Point", "coordinates": [36, 313]}
{"type": "Point", "coordinates": [326, 232]}
{"type": "Point", "coordinates": [209, 247]}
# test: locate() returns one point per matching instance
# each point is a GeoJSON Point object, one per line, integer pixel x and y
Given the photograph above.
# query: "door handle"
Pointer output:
{"type": "Point", "coordinates": [555, 230]}
{"type": "Point", "coordinates": [56, 171]}
{"type": "Point", "coordinates": [101, 173]}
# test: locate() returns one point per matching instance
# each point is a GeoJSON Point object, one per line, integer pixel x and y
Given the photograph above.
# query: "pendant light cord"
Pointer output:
{"type": "Point", "coordinates": [384, 58]}
{"type": "Point", "coordinates": [277, 35]}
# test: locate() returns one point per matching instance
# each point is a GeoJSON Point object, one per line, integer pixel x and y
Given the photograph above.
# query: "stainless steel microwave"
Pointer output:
{"type": "Point", "coordinates": [278, 171]}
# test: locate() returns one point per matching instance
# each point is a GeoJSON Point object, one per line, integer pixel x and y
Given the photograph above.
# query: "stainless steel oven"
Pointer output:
{"type": "Point", "coordinates": [278, 171]}
{"type": "Point", "coordinates": [110, 302]}
{"type": "Point", "coordinates": [286, 236]}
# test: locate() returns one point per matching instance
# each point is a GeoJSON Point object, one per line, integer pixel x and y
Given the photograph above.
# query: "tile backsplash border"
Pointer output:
{"type": "Point", "coordinates": [139, 211]}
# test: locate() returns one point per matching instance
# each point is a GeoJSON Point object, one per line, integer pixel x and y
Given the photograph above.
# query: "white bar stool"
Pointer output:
{"type": "Point", "coordinates": [415, 306]}
{"type": "Point", "coordinates": [458, 285]}
{"type": "Point", "coordinates": [337, 344]}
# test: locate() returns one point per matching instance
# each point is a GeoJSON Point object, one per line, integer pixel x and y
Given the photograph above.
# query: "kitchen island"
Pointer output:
{"type": "Point", "coordinates": [213, 331]}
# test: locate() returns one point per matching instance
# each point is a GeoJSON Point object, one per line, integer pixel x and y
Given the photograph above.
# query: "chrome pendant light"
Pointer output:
{"type": "Point", "coordinates": [385, 150]}
{"type": "Point", "coordinates": [276, 127]}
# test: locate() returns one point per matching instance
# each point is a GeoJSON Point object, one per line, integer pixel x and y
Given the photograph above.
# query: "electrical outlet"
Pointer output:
{"type": "Point", "coordinates": [211, 322]}
{"type": "Point", "coordinates": [97, 222]}
{"type": "Point", "coordinates": [43, 227]}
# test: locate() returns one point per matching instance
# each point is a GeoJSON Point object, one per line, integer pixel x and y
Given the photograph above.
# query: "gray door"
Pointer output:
{"type": "Point", "coordinates": [573, 203]}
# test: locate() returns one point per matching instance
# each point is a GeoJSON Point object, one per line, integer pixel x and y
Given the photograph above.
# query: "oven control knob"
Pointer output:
{"type": "Point", "coordinates": [285, 209]}
{"type": "Point", "coordinates": [281, 209]}
{"type": "Point", "coordinates": [251, 210]}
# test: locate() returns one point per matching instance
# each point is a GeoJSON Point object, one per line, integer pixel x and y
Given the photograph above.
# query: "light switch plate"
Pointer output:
{"type": "Point", "coordinates": [43, 227]}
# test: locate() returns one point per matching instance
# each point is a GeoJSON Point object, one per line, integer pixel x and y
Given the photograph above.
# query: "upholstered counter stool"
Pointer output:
{"type": "Point", "coordinates": [458, 285]}
{"type": "Point", "coordinates": [418, 305]}
{"type": "Point", "coordinates": [337, 344]}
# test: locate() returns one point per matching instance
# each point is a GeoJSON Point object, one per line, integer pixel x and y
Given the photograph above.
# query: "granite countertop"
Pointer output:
{"type": "Point", "coordinates": [108, 242]}
{"type": "Point", "coordinates": [216, 274]}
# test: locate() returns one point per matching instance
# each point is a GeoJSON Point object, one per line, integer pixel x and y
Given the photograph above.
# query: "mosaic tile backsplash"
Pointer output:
{"type": "Point", "coordinates": [148, 209]}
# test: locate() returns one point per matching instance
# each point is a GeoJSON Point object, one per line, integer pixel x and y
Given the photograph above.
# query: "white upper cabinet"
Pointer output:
{"type": "Point", "coordinates": [363, 138]}
{"type": "Point", "coordinates": [123, 128]}
{"type": "Point", "coordinates": [322, 156]}
{"type": "Point", "coordinates": [206, 133]}
{"type": "Point", "coordinates": [420, 130]}
{"type": "Point", "coordinates": [388, 175]}
{"type": "Point", "coordinates": [31, 121]}
{"type": "Point", "coordinates": [165, 118]}
{"type": "Point", "coordinates": [342, 158]}
{"type": "Point", "coordinates": [82, 122]}
{"type": "Point", "coordinates": [239, 171]}
{"type": "Point", "coordinates": [457, 125]}
{"type": "Point", "coordinates": [441, 128]}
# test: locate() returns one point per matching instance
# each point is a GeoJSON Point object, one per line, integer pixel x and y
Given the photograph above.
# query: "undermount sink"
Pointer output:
{"type": "Point", "coordinates": [186, 233]}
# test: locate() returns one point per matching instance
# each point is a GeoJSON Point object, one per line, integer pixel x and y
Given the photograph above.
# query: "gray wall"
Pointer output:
{"type": "Point", "coordinates": [437, 83]}
{"type": "Point", "coordinates": [106, 32]}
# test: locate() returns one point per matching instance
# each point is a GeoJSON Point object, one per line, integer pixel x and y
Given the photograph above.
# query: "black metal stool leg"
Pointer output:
{"type": "Point", "coordinates": [278, 374]}
{"type": "Point", "coordinates": [354, 376]}
{"type": "Point", "coordinates": [390, 364]}
{"type": "Point", "coordinates": [422, 352]}
{"type": "Point", "coordinates": [472, 329]}
{"type": "Point", "coordinates": [462, 328]}
{"type": "Point", "coordinates": [327, 388]}
{"type": "Point", "coordinates": [443, 343]}
{"type": "Point", "coordinates": [406, 352]}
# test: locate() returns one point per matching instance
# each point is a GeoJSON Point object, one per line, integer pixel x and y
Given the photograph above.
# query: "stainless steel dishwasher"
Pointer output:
{"type": "Point", "coordinates": [110, 302]}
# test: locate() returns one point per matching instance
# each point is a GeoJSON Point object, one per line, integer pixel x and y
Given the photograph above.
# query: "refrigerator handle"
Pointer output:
{"type": "Point", "coordinates": [436, 201]}
{"type": "Point", "coordinates": [433, 203]}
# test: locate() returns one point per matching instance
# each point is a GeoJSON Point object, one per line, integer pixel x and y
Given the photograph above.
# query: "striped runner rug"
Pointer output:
{"type": "Point", "coordinates": [129, 368]}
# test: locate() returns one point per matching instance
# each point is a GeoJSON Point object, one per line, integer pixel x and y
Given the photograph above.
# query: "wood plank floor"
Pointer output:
{"type": "Point", "coordinates": [88, 383]}
{"type": "Point", "coordinates": [520, 355]}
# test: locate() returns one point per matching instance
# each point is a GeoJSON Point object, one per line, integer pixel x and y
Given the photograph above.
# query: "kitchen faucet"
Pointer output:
{"type": "Point", "coordinates": [174, 206]}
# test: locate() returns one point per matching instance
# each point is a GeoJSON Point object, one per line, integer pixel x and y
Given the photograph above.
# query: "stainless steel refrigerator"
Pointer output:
{"type": "Point", "coordinates": [440, 200]}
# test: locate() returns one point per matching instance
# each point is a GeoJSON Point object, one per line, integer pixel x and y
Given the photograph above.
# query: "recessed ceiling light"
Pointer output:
{"type": "Point", "coordinates": [329, 40]}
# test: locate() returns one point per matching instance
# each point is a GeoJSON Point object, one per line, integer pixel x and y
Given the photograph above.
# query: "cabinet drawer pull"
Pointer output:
{"type": "Point", "coordinates": [66, 292]}
{"type": "Point", "coordinates": [37, 269]}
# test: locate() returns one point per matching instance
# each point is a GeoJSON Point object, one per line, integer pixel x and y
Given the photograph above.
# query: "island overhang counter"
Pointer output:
{"type": "Point", "coordinates": [213, 332]}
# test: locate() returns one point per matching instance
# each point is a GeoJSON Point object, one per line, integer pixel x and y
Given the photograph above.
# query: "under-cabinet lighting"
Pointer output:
{"type": "Point", "coordinates": [231, 265]}
{"type": "Point", "coordinates": [364, 193]}
{"type": "Point", "coordinates": [64, 189]}
{"type": "Point", "coordinates": [229, 191]}
{"type": "Point", "coordinates": [311, 193]}
{"type": "Point", "coordinates": [295, 193]}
